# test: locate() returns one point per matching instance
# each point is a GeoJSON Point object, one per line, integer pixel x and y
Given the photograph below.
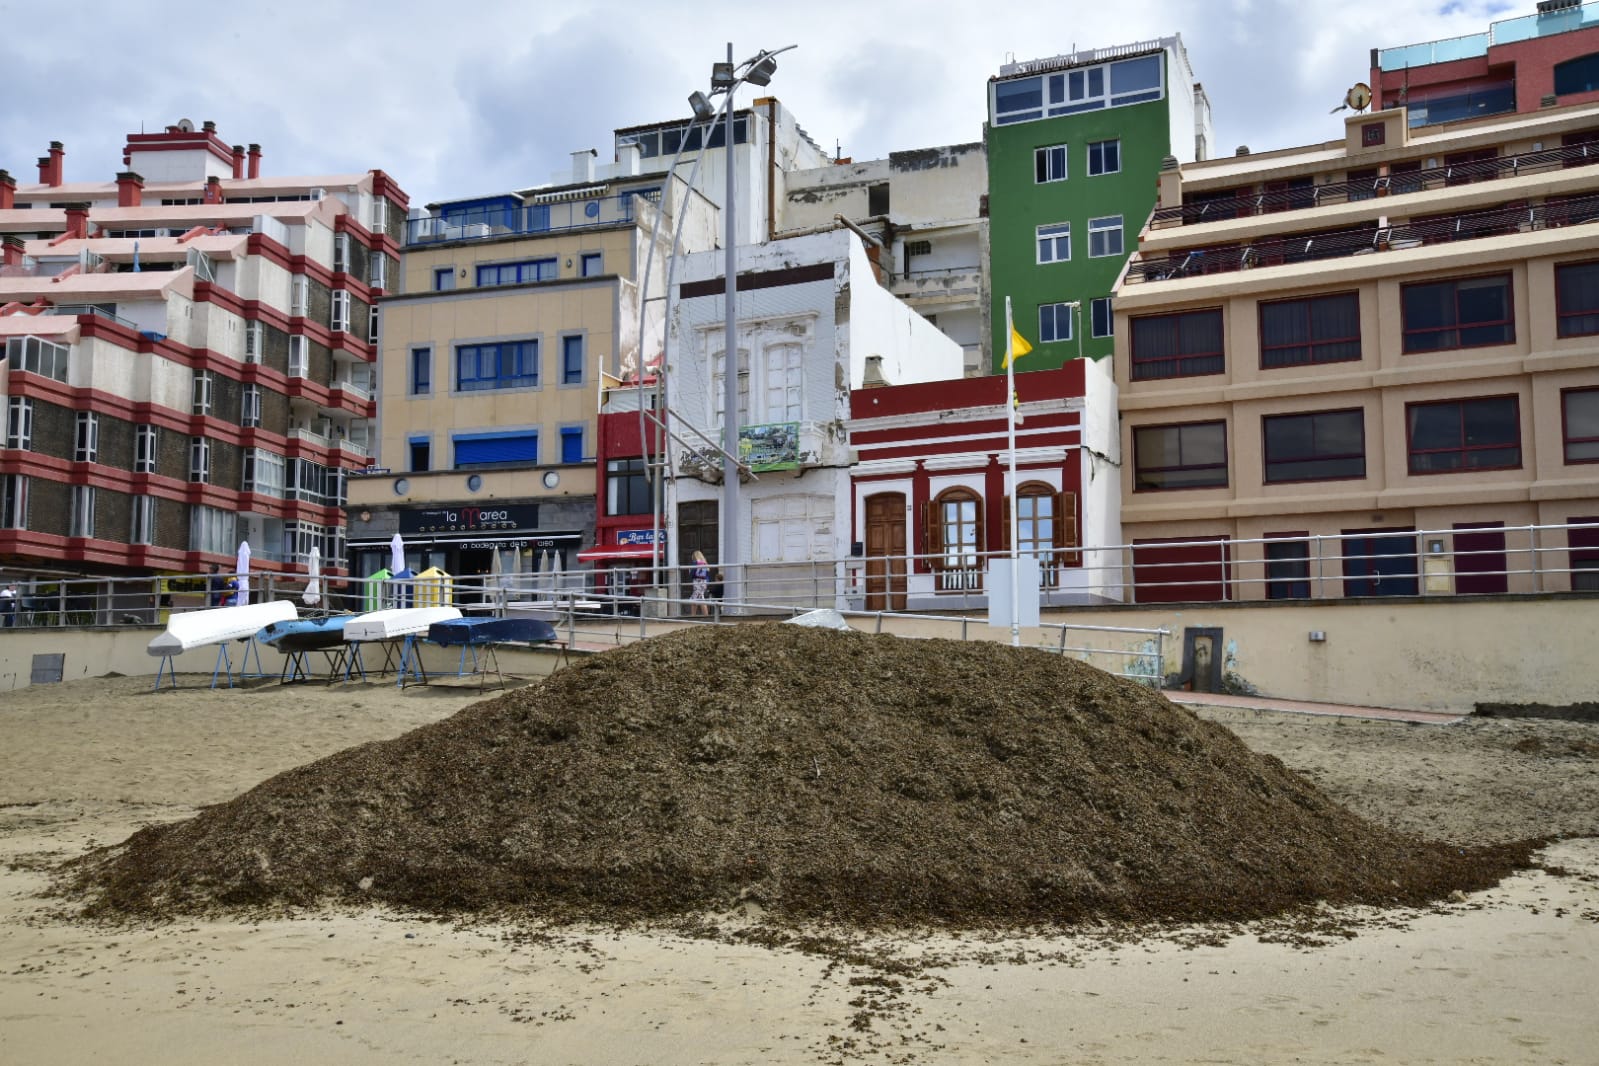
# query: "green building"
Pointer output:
{"type": "Point", "coordinates": [1075, 145]}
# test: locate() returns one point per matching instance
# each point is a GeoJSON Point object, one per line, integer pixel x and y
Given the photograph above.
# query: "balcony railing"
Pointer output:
{"type": "Point", "coordinates": [1508, 218]}
{"type": "Point", "coordinates": [1265, 203]}
{"type": "Point", "coordinates": [1506, 31]}
{"type": "Point", "coordinates": [529, 220]}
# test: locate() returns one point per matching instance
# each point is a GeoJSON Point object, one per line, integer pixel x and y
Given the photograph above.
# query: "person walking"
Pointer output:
{"type": "Point", "coordinates": [8, 606]}
{"type": "Point", "coordinates": [701, 586]}
{"type": "Point", "coordinates": [216, 587]}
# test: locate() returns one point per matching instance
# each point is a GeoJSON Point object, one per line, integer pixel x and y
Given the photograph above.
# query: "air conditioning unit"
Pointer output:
{"type": "Point", "coordinates": [319, 193]}
{"type": "Point", "coordinates": [476, 229]}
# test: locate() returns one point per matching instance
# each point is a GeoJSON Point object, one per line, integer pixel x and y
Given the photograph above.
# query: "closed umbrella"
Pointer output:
{"type": "Point", "coordinates": [242, 598]}
{"type": "Point", "coordinates": [396, 554]}
{"type": "Point", "coordinates": [313, 588]}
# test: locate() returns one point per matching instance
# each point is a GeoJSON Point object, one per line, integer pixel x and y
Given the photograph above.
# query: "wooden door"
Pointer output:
{"type": "Point", "coordinates": [885, 552]}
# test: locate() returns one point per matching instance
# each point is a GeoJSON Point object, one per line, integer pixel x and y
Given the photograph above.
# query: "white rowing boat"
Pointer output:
{"type": "Point", "coordinates": [218, 625]}
{"type": "Point", "coordinates": [396, 622]}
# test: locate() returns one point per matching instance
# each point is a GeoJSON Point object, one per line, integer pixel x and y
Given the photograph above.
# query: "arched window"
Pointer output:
{"type": "Point", "coordinates": [1046, 527]}
{"type": "Point", "coordinates": [954, 532]}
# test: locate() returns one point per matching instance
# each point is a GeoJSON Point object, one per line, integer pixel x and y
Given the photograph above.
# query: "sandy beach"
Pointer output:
{"type": "Point", "coordinates": [1502, 976]}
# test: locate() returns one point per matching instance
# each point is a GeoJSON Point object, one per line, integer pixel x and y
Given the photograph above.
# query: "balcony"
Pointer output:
{"type": "Point", "coordinates": [528, 221]}
{"type": "Point", "coordinates": [940, 284]}
{"type": "Point", "coordinates": [1366, 240]}
{"type": "Point", "coordinates": [1200, 211]}
{"type": "Point", "coordinates": [35, 355]}
{"type": "Point", "coordinates": [1506, 31]}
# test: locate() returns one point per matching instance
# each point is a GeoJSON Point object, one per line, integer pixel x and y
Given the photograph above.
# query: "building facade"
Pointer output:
{"type": "Point", "coordinates": [1355, 368]}
{"type": "Point", "coordinates": [1074, 145]}
{"type": "Point", "coordinates": [188, 357]}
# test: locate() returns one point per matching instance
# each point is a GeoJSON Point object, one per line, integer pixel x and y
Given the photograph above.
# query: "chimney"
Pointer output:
{"type": "Point", "coordinates": [255, 162]}
{"type": "Point", "coordinates": [57, 170]}
{"type": "Point", "coordinates": [238, 162]}
{"type": "Point", "coordinates": [872, 377]}
{"type": "Point", "coordinates": [213, 190]}
{"type": "Point", "coordinates": [628, 156]}
{"type": "Point", "coordinates": [130, 189]}
{"type": "Point", "coordinates": [208, 126]}
{"type": "Point", "coordinates": [77, 220]}
{"type": "Point", "coordinates": [8, 191]}
{"type": "Point", "coordinates": [13, 250]}
{"type": "Point", "coordinates": [583, 165]}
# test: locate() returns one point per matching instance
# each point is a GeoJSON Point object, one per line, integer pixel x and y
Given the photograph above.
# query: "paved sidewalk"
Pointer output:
{"type": "Point", "coordinates": [1261, 703]}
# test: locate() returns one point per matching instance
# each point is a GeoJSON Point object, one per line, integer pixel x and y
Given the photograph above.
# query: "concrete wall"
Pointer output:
{"type": "Point", "coordinates": [1416, 654]}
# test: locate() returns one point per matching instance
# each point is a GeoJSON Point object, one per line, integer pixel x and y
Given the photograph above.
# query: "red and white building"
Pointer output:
{"type": "Point", "coordinates": [187, 357]}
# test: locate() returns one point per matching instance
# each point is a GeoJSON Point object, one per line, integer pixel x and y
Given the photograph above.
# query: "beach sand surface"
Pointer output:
{"type": "Point", "coordinates": [1502, 976]}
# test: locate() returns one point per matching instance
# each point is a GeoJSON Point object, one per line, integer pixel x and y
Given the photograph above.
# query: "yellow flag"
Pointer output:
{"type": "Point", "coordinates": [1017, 347]}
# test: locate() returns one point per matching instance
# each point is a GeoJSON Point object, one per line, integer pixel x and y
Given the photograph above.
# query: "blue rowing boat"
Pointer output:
{"type": "Point", "coordinates": [305, 634]}
{"type": "Point", "coordinates": [478, 631]}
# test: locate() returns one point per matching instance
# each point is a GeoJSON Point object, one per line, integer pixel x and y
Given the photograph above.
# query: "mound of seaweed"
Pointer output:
{"type": "Point", "coordinates": [811, 773]}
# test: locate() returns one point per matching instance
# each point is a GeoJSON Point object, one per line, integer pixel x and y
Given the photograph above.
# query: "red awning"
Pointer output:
{"type": "Point", "coordinates": [604, 553]}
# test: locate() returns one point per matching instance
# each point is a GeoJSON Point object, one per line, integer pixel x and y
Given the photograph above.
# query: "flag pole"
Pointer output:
{"type": "Point", "coordinates": [1010, 440]}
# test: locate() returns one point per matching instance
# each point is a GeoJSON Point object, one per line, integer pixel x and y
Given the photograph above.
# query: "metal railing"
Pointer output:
{"type": "Point", "coordinates": [526, 220]}
{"type": "Point", "coordinates": [1264, 203]}
{"type": "Point", "coordinates": [1492, 222]}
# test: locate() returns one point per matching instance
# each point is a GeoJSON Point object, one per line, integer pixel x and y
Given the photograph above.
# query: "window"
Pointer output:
{"type": "Point", "coordinates": [1191, 455]}
{"type": "Point", "coordinates": [372, 324]}
{"type": "Point", "coordinates": [591, 264]}
{"type": "Point", "coordinates": [957, 540]}
{"type": "Point", "coordinates": [1579, 417]}
{"type": "Point", "coordinates": [1102, 317]}
{"type": "Point", "coordinates": [13, 501]}
{"type": "Point", "coordinates": [87, 444]}
{"type": "Point", "coordinates": [443, 279]}
{"type": "Point", "coordinates": [1104, 236]}
{"type": "Point", "coordinates": [1459, 313]}
{"type": "Point", "coordinates": [143, 531]}
{"type": "Point", "coordinates": [781, 378]}
{"type": "Point", "coordinates": [1580, 75]}
{"type": "Point", "coordinates": [299, 294]}
{"type": "Point", "coordinates": [421, 371]}
{"type": "Point", "coordinates": [1185, 344]}
{"type": "Point", "coordinates": [719, 388]}
{"type": "Point", "coordinates": [1320, 329]}
{"type": "Point", "coordinates": [211, 529]}
{"type": "Point", "coordinates": [377, 271]}
{"type": "Point", "coordinates": [1104, 157]}
{"type": "Point", "coordinates": [1055, 322]}
{"type": "Point", "coordinates": [339, 319]}
{"type": "Point", "coordinates": [200, 459]}
{"type": "Point", "coordinates": [511, 273]}
{"type": "Point", "coordinates": [81, 520]}
{"type": "Point", "coordinates": [1287, 566]}
{"type": "Point", "coordinates": [1584, 549]}
{"type": "Point", "coordinates": [877, 199]}
{"type": "Point", "coordinates": [250, 407]}
{"type": "Point", "coordinates": [341, 252]}
{"type": "Point", "coordinates": [627, 490]}
{"type": "Point", "coordinates": [19, 422]}
{"type": "Point", "coordinates": [507, 365]}
{"type": "Point", "coordinates": [264, 472]}
{"type": "Point", "coordinates": [1046, 523]}
{"type": "Point", "coordinates": [571, 444]}
{"type": "Point", "coordinates": [380, 214]}
{"type": "Point", "coordinates": [496, 449]}
{"type": "Point", "coordinates": [1049, 164]}
{"type": "Point", "coordinates": [1577, 299]}
{"type": "Point", "coordinates": [1116, 84]}
{"type": "Point", "coordinates": [203, 386]}
{"type": "Point", "coordinates": [1317, 446]}
{"type": "Point", "coordinates": [1480, 434]}
{"type": "Point", "coordinates": [254, 338]}
{"type": "Point", "coordinates": [1055, 243]}
{"type": "Point", "coordinates": [421, 454]}
{"type": "Point", "coordinates": [299, 356]}
{"type": "Point", "coordinates": [144, 449]}
{"type": "Point", "coordinates": [572, 360]}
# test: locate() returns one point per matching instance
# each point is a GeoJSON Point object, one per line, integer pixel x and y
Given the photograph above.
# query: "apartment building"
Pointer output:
{"type": "Point", "coordinates": [188, 356]}
{"type": "Point", "coordinates": [1323, 351]}
{"type": "Point", "coordinates": [921, 215]}
{"type": "Point", "coordinates": [1075, 143]}
{"type": "Point", "coordinates": [515, 307]}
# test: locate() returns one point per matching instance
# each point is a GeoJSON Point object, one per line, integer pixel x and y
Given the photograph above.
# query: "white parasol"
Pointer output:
{"type": "Point", "coordinates": [313, 588]}
{"type": "Point", "coordinates": [396, 554]}
{"type": "Point", "coordinates": [242, 598]}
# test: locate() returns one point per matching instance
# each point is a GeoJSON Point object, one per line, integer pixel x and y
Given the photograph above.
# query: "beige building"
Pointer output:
{"type": "Point", "coordinates": [1356, 368]}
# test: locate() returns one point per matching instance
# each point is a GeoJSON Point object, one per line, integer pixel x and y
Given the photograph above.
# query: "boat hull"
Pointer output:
{"type": "Point", "coordinates": [463, 631]}
{"type": "Point", "coordinates": [396, 622]}
{"type": "Point", "coordinates": [218, 625]}
{"type": "Point", "coordinates": [305, 634]}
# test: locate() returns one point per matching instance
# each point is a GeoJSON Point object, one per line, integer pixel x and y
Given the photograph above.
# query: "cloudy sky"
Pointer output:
{"type": "Point", "coordinates": [476, 96]}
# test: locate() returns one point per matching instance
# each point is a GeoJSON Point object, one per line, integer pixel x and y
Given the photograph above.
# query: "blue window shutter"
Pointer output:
{"type": "Point", "coordinates": [507, 448]}
{"type": "Point", "coordinates": [572, 445]}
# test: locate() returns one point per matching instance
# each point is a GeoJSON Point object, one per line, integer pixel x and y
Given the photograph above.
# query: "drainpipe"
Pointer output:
{"type": "Point", "coordinates": [771, 167]}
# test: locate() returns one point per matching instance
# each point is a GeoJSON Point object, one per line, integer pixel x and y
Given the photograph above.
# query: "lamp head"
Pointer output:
{"type": "Point", "coordinates": [722, 76]}
{"type": "Point", "coordinates": [761, 71]}
{"type": "Point", "coordinates": [701, 105]}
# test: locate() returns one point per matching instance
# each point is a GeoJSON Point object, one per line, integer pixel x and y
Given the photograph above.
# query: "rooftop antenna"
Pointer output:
{"type": "Point", "coordinates": [1358, 98]}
